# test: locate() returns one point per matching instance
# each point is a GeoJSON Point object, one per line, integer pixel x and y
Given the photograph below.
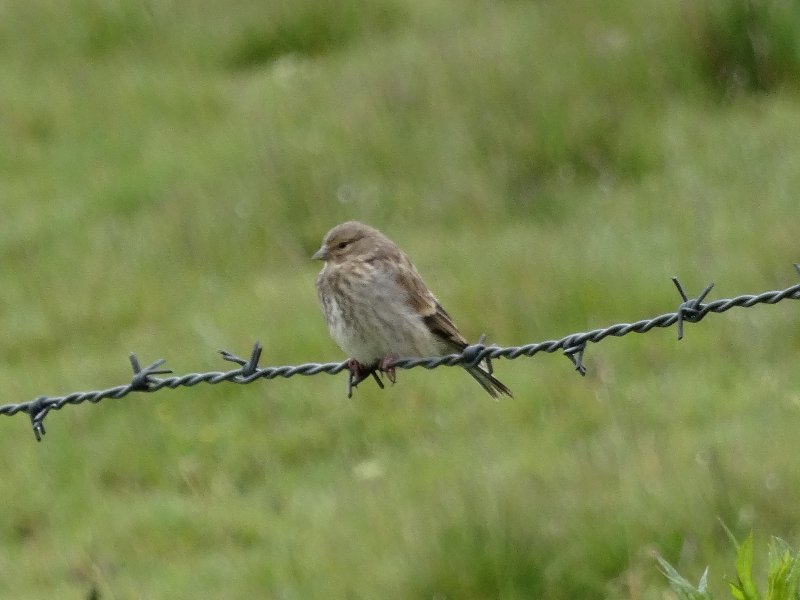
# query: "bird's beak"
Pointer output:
{"type": "Point", "coordinates": [321, 254]}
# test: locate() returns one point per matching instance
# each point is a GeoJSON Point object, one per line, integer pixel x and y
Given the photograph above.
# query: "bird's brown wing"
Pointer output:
{"type": "Point", "coordinates": [428, 307]}
{"type": "Point", "coordinates": [442, 326]}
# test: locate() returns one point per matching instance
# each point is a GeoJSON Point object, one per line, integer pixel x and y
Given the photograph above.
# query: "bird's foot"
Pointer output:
{"type": "Point", "coordinates": [385, 366]}
{"type": "Point", "coordinates": [359, 372]}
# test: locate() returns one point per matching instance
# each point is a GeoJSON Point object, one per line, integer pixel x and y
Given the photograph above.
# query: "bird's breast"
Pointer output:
{"type": "Point", "coordinates": [369, 315]}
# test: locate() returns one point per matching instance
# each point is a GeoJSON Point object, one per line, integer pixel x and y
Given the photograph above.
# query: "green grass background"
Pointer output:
{"type": "Point", "coordinates": [169, 166]}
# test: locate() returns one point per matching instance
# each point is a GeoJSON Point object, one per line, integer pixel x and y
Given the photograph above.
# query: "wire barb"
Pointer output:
{"type": "Point", "coordinates": [691, 310]}
{"type": "Point", "coordinates": [473, 355]}
{"type": "Point", "coordinates": [573, 346]}
{"type": "Point", "coordinates": [574, 352]}
{"type": "Point", "coordinates": [250, 366]}
{"type": "Point", "coordinates": [37, 411]}
{"type": "Point", "coordinates": [142, 377]}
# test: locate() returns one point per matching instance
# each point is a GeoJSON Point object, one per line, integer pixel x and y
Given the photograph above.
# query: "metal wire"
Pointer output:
{"type": "Point", "coordinates": [573, 346]}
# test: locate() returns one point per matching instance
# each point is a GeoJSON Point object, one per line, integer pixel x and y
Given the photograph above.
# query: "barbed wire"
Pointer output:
{"type": "Point", "coordinates": [573, 346]}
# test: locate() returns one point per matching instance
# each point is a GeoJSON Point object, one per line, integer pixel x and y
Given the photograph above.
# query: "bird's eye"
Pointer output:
{"type": "Point", "coordinates": [342, 245]}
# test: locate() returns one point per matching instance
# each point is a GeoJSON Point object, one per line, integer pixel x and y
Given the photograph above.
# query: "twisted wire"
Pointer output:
{"type": "Point", "coordinates": [573, 346]}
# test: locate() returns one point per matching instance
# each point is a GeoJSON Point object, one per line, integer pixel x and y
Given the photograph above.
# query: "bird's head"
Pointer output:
{"type": "Point", "coordinates": [350, 241]}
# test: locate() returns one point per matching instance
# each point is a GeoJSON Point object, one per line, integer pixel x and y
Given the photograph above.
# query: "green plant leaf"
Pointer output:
{"type": "Point", "coordinates": [682, 588]}
{"type": "Point", "coordinates": [744, 588]}
{"type": "Point", "coordinates": [782, 579]}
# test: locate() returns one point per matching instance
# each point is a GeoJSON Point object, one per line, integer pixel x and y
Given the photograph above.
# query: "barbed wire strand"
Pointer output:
{"type": "Point", "coordinates": [573, 346]}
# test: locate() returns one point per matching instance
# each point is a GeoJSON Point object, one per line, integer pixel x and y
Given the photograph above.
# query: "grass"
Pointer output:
{"type": "Point", "coordinates": [168, 170]}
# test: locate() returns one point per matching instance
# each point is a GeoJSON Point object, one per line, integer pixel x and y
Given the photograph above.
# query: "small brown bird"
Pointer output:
{"type": "Point", "coordinates": [378, 308]}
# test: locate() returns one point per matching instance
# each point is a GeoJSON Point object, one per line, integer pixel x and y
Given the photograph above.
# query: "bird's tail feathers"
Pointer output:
{"type": "Point", "coordinates": [489, 382]}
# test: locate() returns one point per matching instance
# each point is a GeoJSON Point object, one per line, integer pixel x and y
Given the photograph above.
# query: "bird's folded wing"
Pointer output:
{"type": "Point", "coordinates": [428, 307]}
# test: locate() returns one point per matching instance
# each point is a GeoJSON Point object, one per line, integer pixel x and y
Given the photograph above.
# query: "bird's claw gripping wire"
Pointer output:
{"type": "Point", "coordinates": [249, 366]}
{"type": "Point", "coordinates": [358, 373]}
{"type": "Point", "coordinates": [142, 377]}
{"type": "Point", "coordinates": [691, 310]}
{"type": "Point", "coordinates": [386, 365]}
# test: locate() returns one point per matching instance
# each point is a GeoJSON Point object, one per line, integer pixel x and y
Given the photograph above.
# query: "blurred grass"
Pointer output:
{"type": "Point", "coordinates": [168, 169]}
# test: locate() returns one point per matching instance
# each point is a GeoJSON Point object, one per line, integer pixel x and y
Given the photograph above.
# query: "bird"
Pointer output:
{"type": "Point", "coordinates": [378, 308]}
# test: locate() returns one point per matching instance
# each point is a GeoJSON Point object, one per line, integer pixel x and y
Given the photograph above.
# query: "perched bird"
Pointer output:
{"type": "Point", "coordinates": [378, 308]}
